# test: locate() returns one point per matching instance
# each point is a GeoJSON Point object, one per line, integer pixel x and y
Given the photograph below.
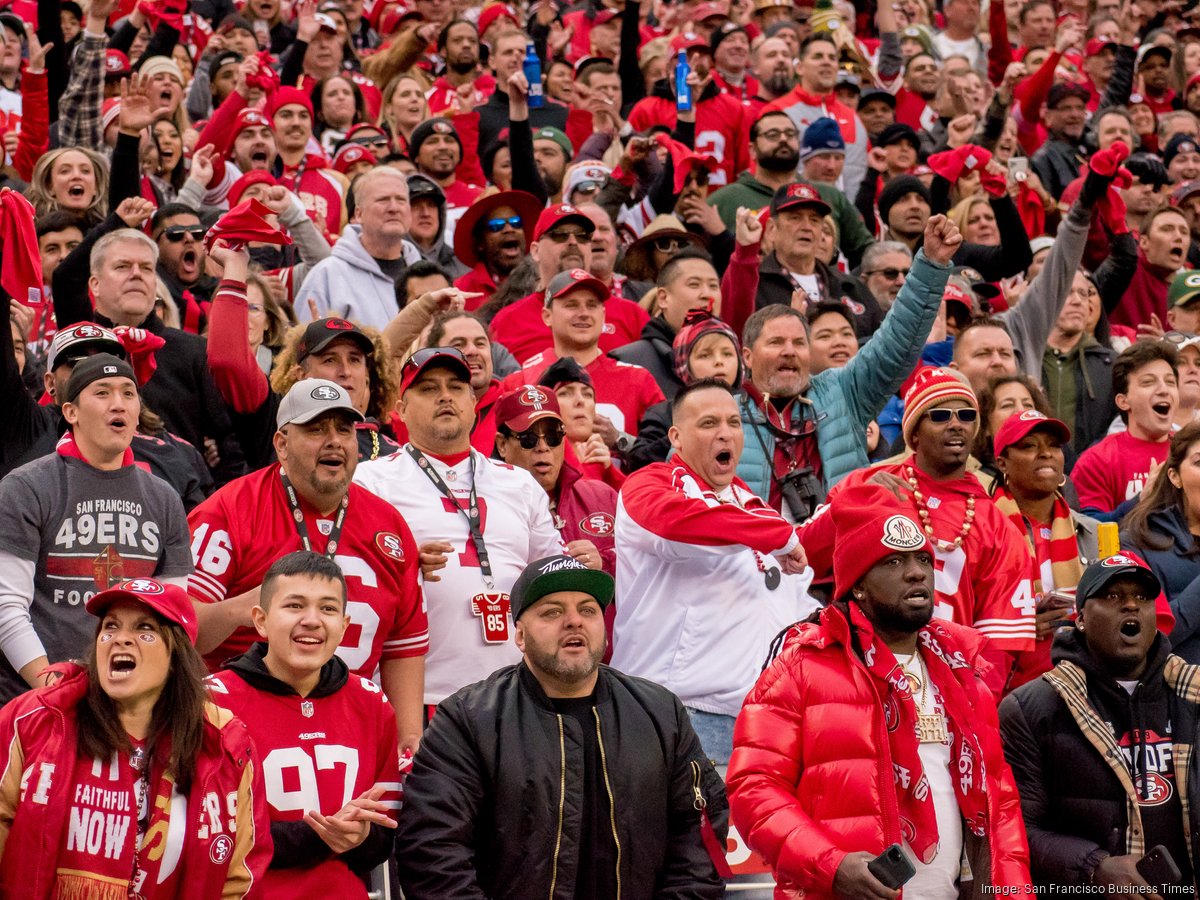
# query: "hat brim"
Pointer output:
{"type": "Point", "coordinates": [637, 256]}
{"type": "Point", "coordinates": [525, 205]}
{"type": "Point", "coordinates": [576, 217]}
{"type": "Point", "coordinates": [103, 345]}
{"type": "Point", "coordinates": [525, 420]}
{"type": "Point", "coordinates": [439, 361]}
{"type": "Point", "coordinates": [310, 416]}
{"type": "Point", "coordinates": [819, 205]}
{"type": "Point", "coordinates": [595, 582]}
{"type": "Point", "coordinates": [98, 604]}
{"type": "Point", "coordinates": [1056, 427]}
{"type": "Point", "coordinates": [1186, 299]}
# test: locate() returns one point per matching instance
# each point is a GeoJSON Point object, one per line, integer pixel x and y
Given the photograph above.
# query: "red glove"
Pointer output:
{"type": "Point", "coordinates": [266, 78]}
{"type": "Point", "coordinates": [1106, 162]}
{"type": "Point", "coordinates": [951, 164]}
{"type": "Point", "coordinates": [140, 346]}
{"type": "Point", "coordinates": [169, 11]}
{"type": "Point", "coordinates": [993, 182]}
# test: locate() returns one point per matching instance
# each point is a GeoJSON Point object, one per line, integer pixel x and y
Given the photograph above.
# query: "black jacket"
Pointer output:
{"type": "Point", "coordinates": [653, 353]}
{"type": "Point", "coordinates": [775, 286]}
{"type": "Point", "coordinates": [1057, 164]}
{"type": "Point", "coordinates": [1094, 404]}
{"type": "Point", "coordinates": [1076, 791]}
{"type": "Point", "coordinates": [493, 805]}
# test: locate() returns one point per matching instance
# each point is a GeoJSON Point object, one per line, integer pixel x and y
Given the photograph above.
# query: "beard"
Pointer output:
{"type": "Point", "coordinates": [780, 161]}
{"type": "Point", "coordinates": [462, 65]}
{"type": "Point", "coordinates": [779, 83]}
{"type": "Point", "coordinates": [567, 673]}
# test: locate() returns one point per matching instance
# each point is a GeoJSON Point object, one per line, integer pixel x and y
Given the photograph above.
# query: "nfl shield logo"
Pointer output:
{"type": "Point", "coordinates": [306, 709]}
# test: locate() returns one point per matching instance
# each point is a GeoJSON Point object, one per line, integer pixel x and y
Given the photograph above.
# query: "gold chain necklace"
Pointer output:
{"type": "Point", "coordinates": [923, 511]}
{"type": "Point", "coordinates": [931, 727]}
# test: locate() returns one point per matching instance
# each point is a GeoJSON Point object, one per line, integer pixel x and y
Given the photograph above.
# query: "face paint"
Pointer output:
{"type": "Point", "coordinates": [106, 637]}
{"type": "Point", "coordinates": [147, 638]}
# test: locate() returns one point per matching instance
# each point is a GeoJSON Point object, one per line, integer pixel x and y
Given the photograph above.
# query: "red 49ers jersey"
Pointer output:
{"type": "Point", "coordinates": [317, 753]}
{"type": "Point", "coordinates": [984, 584]}
{"type": "Point", "coordinates": [243, 528]}
{"type": "Point", "coordinates": [470, 624]}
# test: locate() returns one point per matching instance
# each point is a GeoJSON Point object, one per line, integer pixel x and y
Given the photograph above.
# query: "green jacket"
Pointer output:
{"type": "Point", "coordinates": [751, 193]}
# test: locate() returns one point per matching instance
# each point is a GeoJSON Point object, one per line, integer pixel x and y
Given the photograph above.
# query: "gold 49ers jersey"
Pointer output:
{"type": "Point", "coordinates": [247, 525]}
{"type": "Point", "coordinates": [470, 622]}
{"type": "Point", "coordinates": [317, 753]}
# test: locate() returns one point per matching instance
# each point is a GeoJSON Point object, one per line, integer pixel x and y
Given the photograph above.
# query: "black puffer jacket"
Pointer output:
{"type": "Point", "coordinates": [493, 806]}
{"type": "Point", "coordinates": [776, 286]}
{"type": "Point", "coordinates": [1077, 794]}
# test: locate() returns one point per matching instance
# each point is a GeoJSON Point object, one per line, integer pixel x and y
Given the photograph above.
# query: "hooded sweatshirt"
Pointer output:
{"type": "Point", "coordinates": [351, 284]}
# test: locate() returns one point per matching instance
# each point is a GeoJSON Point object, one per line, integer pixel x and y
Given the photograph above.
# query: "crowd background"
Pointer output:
{"type": "Point", "coordinates": [438, 289]}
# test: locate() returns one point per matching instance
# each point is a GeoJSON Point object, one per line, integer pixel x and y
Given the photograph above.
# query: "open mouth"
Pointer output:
{"type": "Point", "coordinates": [1162, 408]}
{"type": "Point", "coordinates": [1131, 628]}
{"type": "Point", "coordinates": [118, 423]}
{"type": "Point", "coordinates": [333, 463]}
{"type": "Point", "coordinates": [259, 156]}
{"type": "Point", "coordinates": [164, 97]}
{"type": "Point", "coordinates": [188, 259]}
{"type": "Point", "coordinates": [308, 640]}
{"type": "Point", "coordinates": [76, 191]}
{"type": "Point", "coordinates": [1176, 254]}
{"type": "Point", "coordinates": [724, 457]}
{"type": "Point", "coordinates": [574, 642]}
{"type": "Point", "coordinates": [121, 666]}
{"type": "Point", "coordinates": [919, 594]}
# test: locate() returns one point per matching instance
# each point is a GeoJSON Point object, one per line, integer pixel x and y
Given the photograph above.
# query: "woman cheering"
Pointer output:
{"type": "Point", "coordinates": [122, 780]}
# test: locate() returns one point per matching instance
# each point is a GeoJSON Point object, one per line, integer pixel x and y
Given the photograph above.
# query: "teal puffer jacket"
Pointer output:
{"type": "Point", "coordinates": [844, 400]}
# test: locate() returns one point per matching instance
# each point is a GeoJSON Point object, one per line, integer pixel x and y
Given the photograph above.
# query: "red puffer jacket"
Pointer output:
{"type": "Point", "coordinates": [225, 858]}
{"type": "Point", "coordinates": [810, 779]}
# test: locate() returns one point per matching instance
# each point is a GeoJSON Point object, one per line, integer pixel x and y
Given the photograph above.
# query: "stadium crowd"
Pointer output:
{"type": "Point", "coordinates": [469, 449]}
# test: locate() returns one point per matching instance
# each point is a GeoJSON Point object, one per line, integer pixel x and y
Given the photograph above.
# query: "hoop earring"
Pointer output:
{"type": "Point", "coordinates": [1064, 481]}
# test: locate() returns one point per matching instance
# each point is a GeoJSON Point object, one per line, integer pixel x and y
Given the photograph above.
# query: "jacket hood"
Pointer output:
{"type": "Point", "coordinates": [349, 249]}
{"type": "Point", "coordinates": [1171, 523]}
{"type": "Point", "coordinates": [658, 331]}
{"type": "Point", "coordinates": [1070, 646]}
{"type": "Point", "coordinates": [251, 667]}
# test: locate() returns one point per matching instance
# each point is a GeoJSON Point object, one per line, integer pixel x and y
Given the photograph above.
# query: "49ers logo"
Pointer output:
{"type": "Point", "coordinates": [391, 545]}
{"type": "Point", "coordinates": [88, 331]}
{"type": "Point", "coordinates": [141, 586]}
{"type": "Point", "coordinates": [220, 849]}
{"type": "Point", "coordinates": [336, 324]}
{"type": "Point", "coordinates": [533, 396]}
{"type": "Point", "coordinates": [599, 524]}
{"type": "Point", "coordinates": [1153, 789]}
{"type": "Point", "coordinates": [326, 392]}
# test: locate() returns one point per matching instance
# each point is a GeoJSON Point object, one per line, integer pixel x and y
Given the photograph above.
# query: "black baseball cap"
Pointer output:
{"type": "Point", "coordinates": [873, 93]}
{"type": "Point", "coordinates": [433, 358]}
{"type": "Point", "coordinates": [1103, 572]}
{"type": "Point", "coordinates": [1064, 90]}
{"type": "Point", "coordinates": [320, 333]}
{"type": "Point", "coordinates": [422, 187]}
{"type": "Point", "coordinates": [565, 370]}
{"type": "Point", "coordinates": [552, 574]}
{"type": "Point", "coordinates": [93, 368]}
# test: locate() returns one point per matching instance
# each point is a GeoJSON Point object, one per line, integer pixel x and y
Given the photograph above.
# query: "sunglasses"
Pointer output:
{"type": "Point", "coordinates": [561, 237]}
{"type": "Point", "coordinates": [553, 436]}
{"type": "Point", "coordinates": [176, 233]}
{"type": "Point", "coordinates": [890, 274]}
{"type": "Point", "coordinates": [421, 357]}
{"type": "Point", "coordinates": [379, 141]}
{"type": "Point", "coordinates": [670, 244]}
{"type": "Point", "coordinates": [497, 225]}
{"type": "Point", "coordinates": [966, 415]}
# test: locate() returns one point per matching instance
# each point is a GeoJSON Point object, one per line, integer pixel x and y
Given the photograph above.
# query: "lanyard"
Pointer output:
{"type": "Point", "coordinates": [471, 513]}
{"type": "Point", "coordinates": [298, 516]}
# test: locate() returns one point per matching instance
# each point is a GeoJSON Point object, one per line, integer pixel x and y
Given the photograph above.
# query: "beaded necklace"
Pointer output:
{"type": "Point", "coordinates": [923, 511]}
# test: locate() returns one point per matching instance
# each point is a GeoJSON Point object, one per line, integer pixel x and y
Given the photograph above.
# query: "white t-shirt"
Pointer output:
{"type": "Point", "coordinates": [470, 624]}
{"type": "Point", "coordinates": [939, 879]}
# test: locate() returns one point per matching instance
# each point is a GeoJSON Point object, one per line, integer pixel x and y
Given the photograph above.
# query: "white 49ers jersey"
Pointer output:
{"type": "Point", "coordinates": [470, 624]}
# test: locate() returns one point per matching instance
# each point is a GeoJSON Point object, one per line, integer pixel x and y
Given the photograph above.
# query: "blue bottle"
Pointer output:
{"type": "Point", "coordinates": [683, 90]}
{"type": "Point", "coordinates": [533, 74]}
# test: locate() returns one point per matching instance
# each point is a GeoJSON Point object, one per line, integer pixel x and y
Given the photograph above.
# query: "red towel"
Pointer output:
{"type": "Point", "coordinates": [21, 267]}
{"type": "Point", "coordinates": [244, 223]}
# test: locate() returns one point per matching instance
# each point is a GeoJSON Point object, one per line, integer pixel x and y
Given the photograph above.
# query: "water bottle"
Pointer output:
{"type": "Point", "coordinates": [683, 90]}
{"type": "Point", "coordinates": [533, 74]}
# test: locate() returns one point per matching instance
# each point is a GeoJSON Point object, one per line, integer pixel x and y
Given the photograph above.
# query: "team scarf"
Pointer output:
{"type": "Point", "coordinates": [67, 447]}
{"type": "Point", "coordinates": [946, 670]}
{"type": "Point", "coordinates": [1060, 549]}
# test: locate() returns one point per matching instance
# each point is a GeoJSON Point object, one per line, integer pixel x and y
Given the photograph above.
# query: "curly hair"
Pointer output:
{"type": "Point", "coordinates": [39, 192]}
{"type": "Point", "coordinates": [384, 379]}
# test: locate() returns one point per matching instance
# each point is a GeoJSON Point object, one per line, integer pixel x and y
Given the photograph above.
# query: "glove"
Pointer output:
{"type": "Point", "coordinates": [140, 346]}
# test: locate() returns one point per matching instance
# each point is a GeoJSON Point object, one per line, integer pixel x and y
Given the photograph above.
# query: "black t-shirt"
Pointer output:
{"type": "Point", "coordinates": [392, 268]}
{"type": "Point", "coordinates": [597, 875]}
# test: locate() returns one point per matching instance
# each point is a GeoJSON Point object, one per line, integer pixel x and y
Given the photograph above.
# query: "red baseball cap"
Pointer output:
{"type": "Point", "coordinates": [1098, 45]}
{"type": "Point", "coordinates": [709, 11]}
{"type": "Point", "coordinates": [953, 293]}
{"type": "Point", "coordinates": [168, 600]}
{"type": "Point", "coordinates": [574, 279]}
{"type": "Point", "coordinates": [1017, 426]}
{"type": "Point", "coordinates": [556, 215]}
{"type": "Point", "coordinates": [520, 408]}
{"type": "Point", "coordinates": [250, 118]}
{"type": "Point", "coordinates": [495, 11]}
{"type": "Point", "coordinates": [604, 16]}
{"type": "Point", "coordinates": [433, 358]}
{"type": "Point", "coordinates": [351, 154]}
{"type": "Point", "coordinates": [689, 40]}
{"type": "Point", "coordinates": [116, 64]}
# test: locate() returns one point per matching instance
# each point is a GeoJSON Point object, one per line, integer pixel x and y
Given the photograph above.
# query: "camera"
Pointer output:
{"type": "Point", "coordinates": [802, 493]}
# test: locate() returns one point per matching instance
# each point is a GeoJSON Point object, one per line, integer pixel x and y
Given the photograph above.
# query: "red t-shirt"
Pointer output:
{"type": "Point", "coordinates": [1115, 470]}
{"type": "Point", "coordinates": [520, 328]}
{"type": "Point", "coordinates": [243, 528]}
{"type": "Point", "coordinates": [317, 753]}
{"type": "Point", "coordinates": [623, 391]}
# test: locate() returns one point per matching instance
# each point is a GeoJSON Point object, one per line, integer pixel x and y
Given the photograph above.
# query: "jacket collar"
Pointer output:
{"type": "Point", "coordinates": [529, 684]}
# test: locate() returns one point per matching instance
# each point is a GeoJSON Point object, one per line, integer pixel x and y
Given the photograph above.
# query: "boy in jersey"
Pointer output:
{"type": "Point", "coordinates": [327, 739]}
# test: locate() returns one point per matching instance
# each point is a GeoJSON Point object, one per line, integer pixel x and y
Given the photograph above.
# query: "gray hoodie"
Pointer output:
{"type": "Point", "coordinates": [350, 284]}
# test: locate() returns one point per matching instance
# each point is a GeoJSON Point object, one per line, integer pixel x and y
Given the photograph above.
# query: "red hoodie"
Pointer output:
{"type": "Point", "coordinates": [1146, 295]}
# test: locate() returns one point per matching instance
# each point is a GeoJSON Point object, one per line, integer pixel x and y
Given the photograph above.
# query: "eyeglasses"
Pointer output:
{"type": "Point", "coordinates": [966, 415]}
{"type": "Point", "coordinates": [777, 134]}
{"type": "Point", "coordinates": [670, 244]}
{"type": "Point", "coordinates": [496, 225]}
{"type": "Point", "coordinates": [552, 435]}
{"type": "Point", "coordinates": [561, 237]}
{"type": "Point", "coordinates": [255, 307]}
{"type": "Point", "coordinates": [380, 141]}
{"type": "Point", "coordinates": [890, 274]}
{"type": "Point", "coordinates": [1178, 337]}
{"type": "Point", "coordinates": [176, 233]}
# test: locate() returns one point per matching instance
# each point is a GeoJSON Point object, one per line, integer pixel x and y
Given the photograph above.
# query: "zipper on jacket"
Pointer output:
{"type": "Point", "coordinates": [562, 795]}
{"type": "Point", "coordinates": [612, 806]}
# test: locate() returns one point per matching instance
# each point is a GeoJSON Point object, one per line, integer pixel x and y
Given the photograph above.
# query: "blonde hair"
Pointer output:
{"type": "Point", "coordinates": [961, 211]}
{"type": "Point", "coordinates": [383, 377]}
{"type": "Point", "coordinates": [43, 199]}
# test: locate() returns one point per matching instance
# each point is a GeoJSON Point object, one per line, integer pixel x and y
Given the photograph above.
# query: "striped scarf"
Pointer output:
{"type": "Point", "coordinates": [1060, 549]}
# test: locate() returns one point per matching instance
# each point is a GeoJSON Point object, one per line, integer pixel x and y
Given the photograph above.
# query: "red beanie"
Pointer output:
{"type": "Point", "coordinates": [286, 96]}
{"type": "Point", "coordinates": [254, 176]}
{"type": "Point", "coordinates": [931, 387]}
{"type": "Point", "coordinates": [869, 523]}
